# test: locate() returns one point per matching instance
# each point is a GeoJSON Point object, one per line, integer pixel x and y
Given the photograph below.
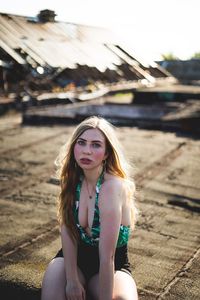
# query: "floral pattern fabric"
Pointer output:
{"type": "Point", "coordinates": [93, 239]}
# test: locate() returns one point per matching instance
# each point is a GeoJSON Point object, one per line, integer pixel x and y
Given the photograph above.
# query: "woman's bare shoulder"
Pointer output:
{"type": "Point", "coordinates": [112, 186]}
{"type": "Point", "coordinates": [112, 181]}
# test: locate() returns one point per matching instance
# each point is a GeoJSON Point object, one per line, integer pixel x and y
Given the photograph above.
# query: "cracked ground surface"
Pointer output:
{"type": "Point", "coordinates": [165, 247]}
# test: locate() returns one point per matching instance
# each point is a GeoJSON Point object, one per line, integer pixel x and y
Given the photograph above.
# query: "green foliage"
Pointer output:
{"type": "Point", "coordinates": [196, 55]}
{"type": "Point", "coordinates": [169, 56]}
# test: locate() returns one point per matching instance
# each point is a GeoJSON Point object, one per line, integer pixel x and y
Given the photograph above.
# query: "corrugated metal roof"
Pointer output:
{"type": "Point", "coordinates": [60, 45]}
{"type": "Point", "coordinates": [12, 53]}
{"type": "Point", "coordinates": [55, 44]}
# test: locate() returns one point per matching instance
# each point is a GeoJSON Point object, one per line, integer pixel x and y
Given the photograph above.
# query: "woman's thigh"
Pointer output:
{"type": "Point", "coordinates": [124, 287]}
{"type": "Point", "coordinates": [54, 281]}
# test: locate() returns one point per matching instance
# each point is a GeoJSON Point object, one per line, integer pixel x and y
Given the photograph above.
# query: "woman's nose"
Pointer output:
{"type": "Point", "coordinates": [87, 149]}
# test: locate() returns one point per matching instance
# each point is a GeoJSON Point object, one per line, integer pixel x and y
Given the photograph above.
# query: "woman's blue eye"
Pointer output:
{"type": "Point", "coordinates": [96, 145]}
{"type": "Point", "coordinates": [80, 142]}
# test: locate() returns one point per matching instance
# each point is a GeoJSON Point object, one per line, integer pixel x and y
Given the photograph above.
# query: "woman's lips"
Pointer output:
{"type": "Point", "coordinates": [85, 161]}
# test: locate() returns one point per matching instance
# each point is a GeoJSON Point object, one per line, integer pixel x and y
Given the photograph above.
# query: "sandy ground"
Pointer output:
{"type": "Point", "coordinates": [165, 247]}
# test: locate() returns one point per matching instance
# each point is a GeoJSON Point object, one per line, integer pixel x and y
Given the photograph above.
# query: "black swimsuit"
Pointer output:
{"type": "Point", "coordinates": [88, 250]}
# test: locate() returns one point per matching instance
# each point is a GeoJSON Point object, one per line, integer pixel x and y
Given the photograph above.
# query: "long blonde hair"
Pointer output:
{"type": "Point", "coordinates": [69, 172]}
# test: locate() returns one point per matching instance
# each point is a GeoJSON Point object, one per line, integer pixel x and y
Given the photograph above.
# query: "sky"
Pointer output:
{"type": "Point", "coordinates": [150, 27]}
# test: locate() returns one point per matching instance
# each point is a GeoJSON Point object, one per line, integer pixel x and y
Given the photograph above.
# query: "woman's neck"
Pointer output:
{"type": "Point", "coordinates": [92, 175]}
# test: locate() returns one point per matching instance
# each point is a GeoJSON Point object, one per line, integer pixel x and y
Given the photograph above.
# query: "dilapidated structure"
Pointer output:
{"type": "Point", "coordinates": [42, 54]}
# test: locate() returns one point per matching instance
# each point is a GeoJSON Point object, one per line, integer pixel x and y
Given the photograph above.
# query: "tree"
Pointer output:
{"type": "Point", "coordinates": [196, 55]}
{"type": "Point", "coordinates": [169, 56]}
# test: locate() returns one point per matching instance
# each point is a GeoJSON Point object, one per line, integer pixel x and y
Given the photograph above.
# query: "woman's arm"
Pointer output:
{"type": "Point", "coordinates": [74, 288]}
{"type": "Point", "coordinates": [69, 248]}
{"type": "Point", "coordinates": [110, 206]}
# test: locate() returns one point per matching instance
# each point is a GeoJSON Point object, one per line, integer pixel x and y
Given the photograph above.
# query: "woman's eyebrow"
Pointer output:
{"type": "Point", "coordinates": [97, 141]}
{"type": "Point", "coordinates": [93, 141]}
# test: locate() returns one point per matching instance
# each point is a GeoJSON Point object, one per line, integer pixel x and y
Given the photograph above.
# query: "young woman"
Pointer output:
{"type": "Point", "coordinates": [96, 212]}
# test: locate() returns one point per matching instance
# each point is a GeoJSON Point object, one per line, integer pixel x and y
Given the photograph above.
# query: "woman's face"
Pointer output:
{"type": "Point", "coordinates": [90, 149]}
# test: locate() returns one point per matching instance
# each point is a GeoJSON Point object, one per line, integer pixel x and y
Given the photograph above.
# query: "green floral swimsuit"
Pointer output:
{"type": "Point", "coordinates": [93, 240]}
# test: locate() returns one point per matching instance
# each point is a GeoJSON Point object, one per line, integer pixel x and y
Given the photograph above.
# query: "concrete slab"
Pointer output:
{"type": "Point", "coordinates": [164, 249]}
{"type": "Point", "coordinates": [187, 282]}
{"type": "Point", "coordinates": [172, 116]}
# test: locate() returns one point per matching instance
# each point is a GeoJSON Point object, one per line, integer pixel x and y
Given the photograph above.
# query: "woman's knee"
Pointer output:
{"type": "Point", "coordinates": [124, 287]}
{"type": "Point", "coordinates": [125, 297]}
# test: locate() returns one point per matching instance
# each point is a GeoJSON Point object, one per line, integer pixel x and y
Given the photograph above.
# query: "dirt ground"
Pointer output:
{"type": "Point", "coordinates": [165, 247]}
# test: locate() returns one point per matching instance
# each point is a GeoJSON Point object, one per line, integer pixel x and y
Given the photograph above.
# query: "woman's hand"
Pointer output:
{"type": "Point", "coordinates": [75, 290]}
